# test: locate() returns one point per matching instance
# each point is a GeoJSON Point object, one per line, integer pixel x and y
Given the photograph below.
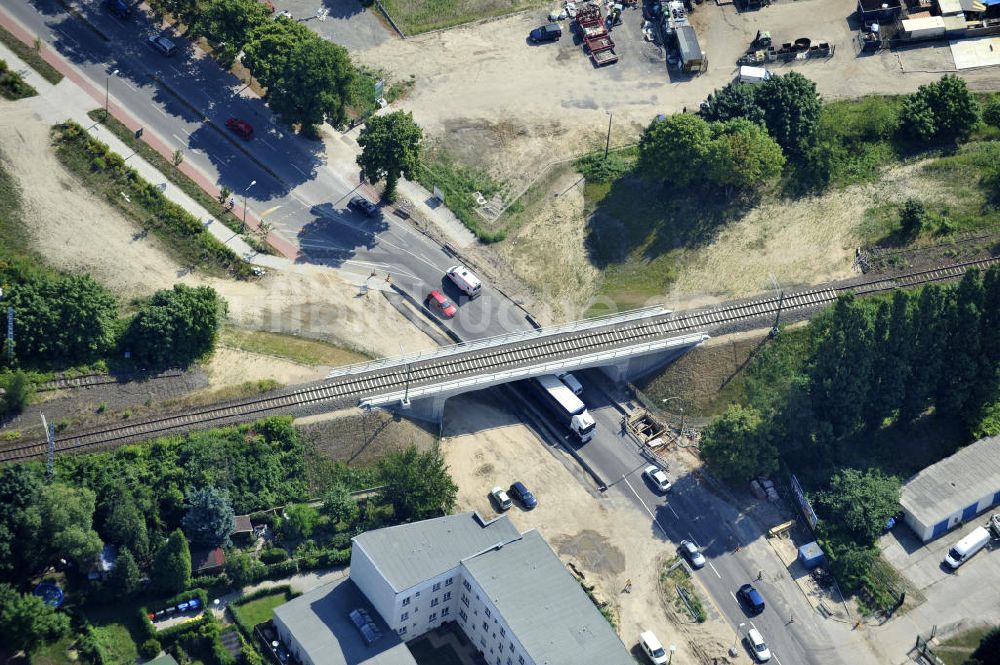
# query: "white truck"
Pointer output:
{"type": "Point", "coordinates": [565, 406]}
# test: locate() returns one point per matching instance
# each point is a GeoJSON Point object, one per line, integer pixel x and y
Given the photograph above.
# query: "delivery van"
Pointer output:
{"type": "Point", "coordinates": [753, 74]}
{"type": "Point", "coordinates": [466, 282]}
{"type": "Point", "coordinates": [967, 547]}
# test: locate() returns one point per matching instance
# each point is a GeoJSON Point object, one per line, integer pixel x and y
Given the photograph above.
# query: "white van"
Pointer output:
{"type": "Point", "coordinates": [466, 282]}
{"type": "Point", "coordinates": [965, 548]}
{"type": "Point", "coordinates": [753, 74]}
{"type": "Point", "coordinates": [571, 382]}
{"type": "Point", "coordinates": [652, 647]}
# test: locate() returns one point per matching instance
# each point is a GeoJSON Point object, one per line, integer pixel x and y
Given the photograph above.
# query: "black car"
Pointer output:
{"type": "Point", "coordinates": [751, 598]}
{"type": "Point", "coordinates": [525, 497]}
{"type": "Point", "coordinates": [119, 8]}
{"type": "Point", "coordinates": [362, 205]}
{"type": "Point", "coordinates": [546, 33]}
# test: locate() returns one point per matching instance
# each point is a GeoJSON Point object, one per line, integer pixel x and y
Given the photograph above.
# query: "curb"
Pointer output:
{"type": "Point", "coordinates": [453, 336]}
{"type": "Point", "coordinates": [75, 12]}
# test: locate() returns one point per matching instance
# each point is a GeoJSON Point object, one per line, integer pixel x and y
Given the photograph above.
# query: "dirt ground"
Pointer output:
{"type": "Point", "coordinates": [306, 300]}
{"type": "Point", "coordinates": [606, 539]}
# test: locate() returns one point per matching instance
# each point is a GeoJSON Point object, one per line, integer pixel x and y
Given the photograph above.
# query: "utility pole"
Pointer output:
{"type": "Point", "coordinates": [107, 89]}
{"type": "Point", "coordinates": [50, 435]}
{"type": "Point", "coordinates": [607, 143]}
{"type": "Point", "coordinates": [781, 301]}
{"type": "Point", "coordinates": [244, 226]}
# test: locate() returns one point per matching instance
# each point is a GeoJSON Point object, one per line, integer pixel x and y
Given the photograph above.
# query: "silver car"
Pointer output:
{"type": "Point", "coordinates": [691, 552]}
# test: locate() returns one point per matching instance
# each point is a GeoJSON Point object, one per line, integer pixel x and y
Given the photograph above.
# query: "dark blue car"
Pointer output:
{"type": "Point", "coordinates": [751, 599]}
{"type": "Point", "coordinates": [521, 494]}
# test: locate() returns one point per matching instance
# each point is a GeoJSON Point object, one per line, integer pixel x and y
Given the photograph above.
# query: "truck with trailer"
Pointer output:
{"type": "Point", "coordinates": [593, 31]}
{"type": "Point", "coordinates": [564, 406]}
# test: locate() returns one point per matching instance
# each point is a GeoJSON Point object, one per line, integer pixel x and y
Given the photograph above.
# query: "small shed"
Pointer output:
{"type": "Point", "coordinates": [879, 11]}
{"type": "Point", "coordinates": [244, 529]}
{"type": "Point", "coordinates": [692, 57]}
{"type": "Point", "coordinates": [924, 28]}
{"type": "Point", "coordinates": [207, 561]}
{"type": "Point", "coordinates": [811, 555]}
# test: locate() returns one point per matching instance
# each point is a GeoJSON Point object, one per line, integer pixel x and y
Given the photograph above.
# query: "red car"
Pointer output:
{"type": "Point", "coordinates": [241, 127]}
{"type": "Point", "coordinates": [437, 301]}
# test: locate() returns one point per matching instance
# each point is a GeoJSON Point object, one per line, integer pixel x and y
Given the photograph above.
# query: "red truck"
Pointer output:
{"type": "Point", "coordinates": [594, 33]}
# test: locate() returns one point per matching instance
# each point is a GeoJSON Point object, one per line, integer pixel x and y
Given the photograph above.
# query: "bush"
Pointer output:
{"type": "Point", "coordinates": [274, 555]}
{"type": "Point", "coordinates": [911, 217]}
{"type": "Point", "coordinates": [150, 648]}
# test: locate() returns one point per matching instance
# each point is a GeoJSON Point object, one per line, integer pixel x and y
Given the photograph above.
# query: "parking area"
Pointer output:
{"type": "Point", "coordinates": [346, 22]}
{"type": "Point", "coordinates": [922, 564]}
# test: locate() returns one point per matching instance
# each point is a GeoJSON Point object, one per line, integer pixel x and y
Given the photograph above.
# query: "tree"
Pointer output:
{"type": "Point", "coordinates": [243, 569]}
{"type": "Point", "coordinates": [123, 523]}
{"type": "Point", "coordinates": [988, 651]}
{"type": "Point", "coordinates": [737, 447]}
{"type": "Point", "coordinates": [417, 484]}
{"type": "Point", "coordinates": [307, 78]}
{"type": "Point", "coordinates": [890, 359]}
{"type": "Point", "coordinates": [736, 100]}
{"type": "Point", "coordinates": [963, 346]}
{"type": "Point", "coordinates": [19, 522]}
{"type": "Point", "coordinates": [124, 578]}
{"type": "Point", "coordinates": [66, 527]}
{"type": "Point", "coordinates": [300, 522]}
{"type": "Point", "coordinates": [26, 622]}
{"type": "Point", "coordinates": [991, 112]}
{"type": "Point", "coordinates": [912, 216]}
{"type": "Point", "coordinates": [18, 392]}
{"type": "Point", "coordinates": [850, 563]}
{"type": "Point", "coordinates": [673, 150]}
{"type": "Point", "coordinates": [791, 109]}
{"type": "Point", "coordinates": [172, 566]}
{"type": "Point", "coordinates": [229, 23]}
{"type": "Point", "coordinates": [944, 111]}
{"type": "Point", "coordinates": [175, 326]}
{"type": "Point", "coordinates": [183, 11]}
{"type": "Point", "coordinates": [390, 147]}
{"type": "Point", "coordinates": [742, 155]}
{"type": "Point", "coordinates": [340, 505]}
{"type": "Point", "coordinates": [927, 350]}
{"type": "Point", "coordinates": [210, 519]}
{"type": "Point", "coordinates": [860, 501]}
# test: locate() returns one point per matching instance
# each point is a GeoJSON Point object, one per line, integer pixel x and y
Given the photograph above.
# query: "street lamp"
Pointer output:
{"type": "Point", "coordinates": [739, 632]}
{"type": "Point", "coordinates": [672, 650]}
{"type": "Point", "coordinates": [406, 386]}
{"type": "Point", "coordinates": [107, 90]}
{"type": "Point", "coordinates": [244, 226]}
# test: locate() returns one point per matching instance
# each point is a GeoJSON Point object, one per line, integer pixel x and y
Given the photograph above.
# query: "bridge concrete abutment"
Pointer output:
{"type": "Point", "coordinates": [428, 409]}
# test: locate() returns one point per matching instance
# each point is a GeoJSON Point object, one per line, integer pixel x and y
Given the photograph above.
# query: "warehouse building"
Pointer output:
{"type": "Point", "coordinates": [953, 491]}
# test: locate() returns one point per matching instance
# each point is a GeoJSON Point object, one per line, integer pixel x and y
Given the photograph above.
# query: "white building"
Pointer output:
{"type": "Point", "coordinates": [508, 591]}
{"type": "Point", "coordinates": [953, 491]}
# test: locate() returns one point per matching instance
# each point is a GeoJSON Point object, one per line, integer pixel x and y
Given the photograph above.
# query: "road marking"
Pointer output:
{"type": "Point", "coordinates": [179, 72]}
{"type": "Point", "coordinates": [179, 139]}
{"type": "Point", "coordinates": [645, 506]}
{"type": "Point", "coordinates": [267, 212]}
{"type": "Point", "coordinates": [776, 659]}
{"type": "Point", "coordinates": [160, 111]}
{"type": "Point", "coordinates": [673, 511]}
{"type": "Point", "coordinates": [267, 144]}
{"type": "Point", "coordinates": [300, 170]}
{"type": "Point", "coordinates": [715, 571]}
{"type": "Point", "coordinates": [66, 36]}
{"type": "Point", "coordinates": [128, 85]}
{"type": "Point", "coordinates": [734, 597]}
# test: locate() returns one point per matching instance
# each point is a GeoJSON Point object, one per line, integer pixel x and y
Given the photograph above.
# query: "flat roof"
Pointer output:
{"type": "Point", "coordinates": [408, 554]}
{"type": "Point", "coordinates": [687, 43]}
{"type": "Point", "coordinates": [545, 606]}
{"type": "Point", "coordinates": [950, 7]}
{"type": "Point", "coordinates": [321, 624]}
{"type": "Point", "coordinates": [953, 483]}
{"type": "Point", "coordinates": [923, 23]}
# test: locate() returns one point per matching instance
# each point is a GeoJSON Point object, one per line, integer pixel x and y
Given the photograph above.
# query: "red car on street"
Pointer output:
{"type": "Point", "coordinates": [439, 303]}
{"type": "Point", "coordinates": [243, 128]}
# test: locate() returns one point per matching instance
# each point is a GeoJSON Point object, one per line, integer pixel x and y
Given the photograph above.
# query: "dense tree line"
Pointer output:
{"type": "Point", "coordinates": [988, 651]}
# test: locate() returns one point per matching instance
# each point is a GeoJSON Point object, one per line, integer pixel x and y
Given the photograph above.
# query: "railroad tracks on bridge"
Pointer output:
{"type": "Point", "coordinates": [356, 383]}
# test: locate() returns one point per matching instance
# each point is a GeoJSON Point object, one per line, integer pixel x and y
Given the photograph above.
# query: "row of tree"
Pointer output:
{"type": "Point", "coordinates": [307, 78]}
{"type": "Point", "coordinates": [62, 320]}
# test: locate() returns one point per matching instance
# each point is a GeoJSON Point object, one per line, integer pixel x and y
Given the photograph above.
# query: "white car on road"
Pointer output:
{"type": "Point", "coordinates": [656, 476]}
{"type": "Point", "coordinates": [758, 647]}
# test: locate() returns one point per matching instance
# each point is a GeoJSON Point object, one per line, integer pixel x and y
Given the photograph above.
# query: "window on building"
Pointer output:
{"type": "Point", "coordinates": [433, 616]}
{"type": "Point", "coordinates": [487, 613]}
{"type": "Point", "coordinates": [465, 600]}
{"type": "Point", "coordinates": [468, 587]}
{"type": "Point", "coordinates": [417, 594]}
{"type": "Point", "coordinates": [461, 613]}
{"type": "Point", "coordinates": [448, 581]}
{"type": "Point", "coordinates": [510, 662]}
{"type": "Point", "coordinates": [402, 631]}
{"type": "Point", "coordinates": [498, 660]}
{"type": "Point", "coordinates": [447, 596]}
{"type": "Point", "coordinates": [520, 659]}
{"type": "Point", "coordinates": [485, 626]}
{"type": "Point", "coordinates": [406, 601]}
{"type": "Point", "coordinates": [434, 602]}
{"type": "Point", "coordinates": [482, 642]}
{"type": "Point", "coordinates": [511, 646]}
{"type": "Point", "coordinates": [445, 611]}
{"type": "Point", "coordinates": [405, 616]}
{"type": "Point", "coordinates": [502, 632]}
{"type": "Point", "coordinates": [436, 587]}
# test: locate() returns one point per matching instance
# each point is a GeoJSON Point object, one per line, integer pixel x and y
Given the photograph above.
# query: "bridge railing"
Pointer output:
{"type": "Point", "coordinates": [498, 340]}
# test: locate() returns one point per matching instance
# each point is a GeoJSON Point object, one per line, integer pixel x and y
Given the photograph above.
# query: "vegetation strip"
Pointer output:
{"type": "Point", "coordinates": [145, 203]}
{"type": "Point", "coordinates": [31, 56]}
{"type": "Point", "coordinates": [12, 85]}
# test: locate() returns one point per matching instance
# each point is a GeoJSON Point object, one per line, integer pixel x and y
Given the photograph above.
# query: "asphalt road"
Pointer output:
{"type": "Point", "coordinates": [298, 192]}
{"type": "Point", "coordinates": [691, 510]}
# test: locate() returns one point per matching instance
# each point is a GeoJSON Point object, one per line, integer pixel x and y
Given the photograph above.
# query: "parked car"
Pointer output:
{"type": "Point", "coordinates": [440, 304]}
{"type": "Point", "coordinates": [524, 495]}
{"type": "Point", "coordinates": [466, 282]}
{"type": "Point", "coordinates": [652, 648]}
{"type": "Point", "coordinates": [500, 499]}
{"type": "Point", "coordinates": [163, 45]}
{"type": "Point", "coordinates": [691, 552]}
{"type": "Point", "coordinates": [758, 647]}
{"type": "Point", "coordinates": [655, 475]}
{"type": "Point", "coordinates": [546, 33]}
{"type": "Point", "coordinates": [751, 599]}
{"type": "Point", "coordinates": [242, 128]}
{"type": "Point", "coordinates": [119, 8]}
{"type": "Point", "coordinates": [363, 205]}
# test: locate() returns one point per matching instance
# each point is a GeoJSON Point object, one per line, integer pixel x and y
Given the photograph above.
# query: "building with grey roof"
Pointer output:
{"type": "Point", "coordinates": [953, 491]}
{"type": "Point", "coordinates": [317, 628]}
{"type": "Point", "coordinates": [508, 591]}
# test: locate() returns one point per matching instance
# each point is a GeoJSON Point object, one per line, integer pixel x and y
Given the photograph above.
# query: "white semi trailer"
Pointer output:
{"type": "Point", "coordinates": [565, 406]}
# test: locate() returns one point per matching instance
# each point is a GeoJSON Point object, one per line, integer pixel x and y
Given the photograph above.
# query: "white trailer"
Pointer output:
{"type": "Point", "coordinates": [566, 406]}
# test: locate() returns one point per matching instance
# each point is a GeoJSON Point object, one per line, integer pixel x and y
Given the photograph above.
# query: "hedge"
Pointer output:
{"type": "Point", "coordinates": [260, 593]}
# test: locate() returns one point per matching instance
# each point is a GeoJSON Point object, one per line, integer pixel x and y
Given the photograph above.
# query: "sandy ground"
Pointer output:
{"type": "Point", "coordinates": [302, 300]}
{"type": "Point", "coordinates": [608, 540]}
{"type": "Point", "coordinates": [232, 366]}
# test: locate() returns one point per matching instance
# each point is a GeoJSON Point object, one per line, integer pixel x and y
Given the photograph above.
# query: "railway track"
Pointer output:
{"type": "Point", "coordinates": [351, 387]}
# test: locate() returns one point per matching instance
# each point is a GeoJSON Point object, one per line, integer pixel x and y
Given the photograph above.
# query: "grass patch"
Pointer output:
{"type": "Point", "coordinates": [292, 347]}
{"type": "Point", "coordinates": [105, 172]}
{"type": "Point", "coordinates": [260, 610]}
{"type": "Point", "coordinates": [861, 136]}
{"type": "Point", "coordinates": [180, 179]}
{"type": "Point", "coordinates": [361, 98]}
{"type": "Point", "coordinates": [54, 653]}
{"type": "Point", "coordinates": [30, 56]}
{"type": "Point", "coordinates": [676, 580]}
{"type": "Point", "coordinates": [416, 16]}
{"type": "Point", "coordinates": [458, 183]}
{"type": "Point", "coordinates": [13, 235]}
{"type": "Point", "coordinates": [12, 86]}
{"type": "Point", "coordinates": [956, 650]}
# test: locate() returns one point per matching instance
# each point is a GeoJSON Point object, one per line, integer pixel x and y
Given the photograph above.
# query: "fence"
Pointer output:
{"type": "Point", "coordinates": [388, 17]}
{"type": "Point", "coordinates": [924, 653]}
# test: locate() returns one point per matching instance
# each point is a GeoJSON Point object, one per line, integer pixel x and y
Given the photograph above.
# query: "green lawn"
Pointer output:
{"type": "Point", "coordinates": [415, 16]}
{"type": "Point", "coordinates": [955, 650]}
{"type": "Point", "coordinates": [300, 349]}
{"type": "Point", "coordinates": [55, 653]}
{"type": "Point", "coordinates": [260, 610]}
